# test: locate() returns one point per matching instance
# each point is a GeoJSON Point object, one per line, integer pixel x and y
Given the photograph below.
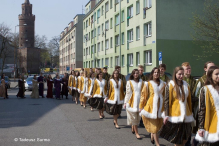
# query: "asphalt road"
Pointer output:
{"type": "Point", "coordinates": [50, 122]}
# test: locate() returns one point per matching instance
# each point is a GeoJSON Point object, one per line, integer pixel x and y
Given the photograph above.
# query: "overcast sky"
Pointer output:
{"type": "Point", "coordinates": [52, 16]}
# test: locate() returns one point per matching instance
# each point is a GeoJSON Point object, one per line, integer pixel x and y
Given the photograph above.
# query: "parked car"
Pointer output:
{"type": "Point", "coordinates": [148, 74]}
{"type": "Point", "coordinates": [7, 81]}
{"type": "Point", "coordinates": [28, 83]}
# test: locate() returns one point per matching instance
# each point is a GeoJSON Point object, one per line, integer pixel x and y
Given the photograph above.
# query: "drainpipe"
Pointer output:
{"type": "Point", "coordinates": [120, 60]}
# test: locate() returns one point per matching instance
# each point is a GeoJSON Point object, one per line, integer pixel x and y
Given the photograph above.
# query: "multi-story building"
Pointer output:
{"type": "Point", "coordinates": [134, 32]}
{"type": "Point", "coordinates": [71, 46]}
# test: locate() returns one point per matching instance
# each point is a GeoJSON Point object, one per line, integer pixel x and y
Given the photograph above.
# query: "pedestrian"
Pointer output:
{"type": "Point", "coordinates": [178, 110]}
{"type": "Point", "coordinates": [121, 76]}
{"type": "Point", "coordinates": [82, 84]}
{"type": "Point", "coordinates": [163, 76]}
{"type": "Point", "coordinates": [6, 87]}
{"type": "Point", "coordinates": [196, 91]}
{"type": "Point", "coordinates": [49, 86]}
{"type": "Point", "coordinates": [106, 75]}
{"type": "Point", "coordinates": [208, 115]}
{"type": "Point", "coordinates": [41, 85]}
{"type": "Point", "coordinates": [35, 90]}
{"type": "Point", "coordinates": [115, 97]}
{"type": "Point", "coordinates": [89, 85]}
{"type": "Point", "coordinates": [191, 81]}
{"type": "Point", "coordinates": [98, 94]}
{"type": "Point", "coordinates": [58, 87]}
{"type": "Point", "coordinates": [65, 86]}
{"type": "Point", "coordinates": [144, 78]}
{"type": "Point", "coordinates": [71, 82]}
{"type": "Point", "coordinates": [2, 87]}
{"type": "Point", "coordinates": [21, 87]}
{"type": "Point", "coordinates": [151, 104]}
{"type": "Point", "coordinates": [77, 79]}
{"type": "Point", "coordinates": [141, 73]}
{"type": "Point", "coordinates": [132, 99]}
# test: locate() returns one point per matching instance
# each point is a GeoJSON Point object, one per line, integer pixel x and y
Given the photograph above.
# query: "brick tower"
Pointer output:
{"type": "Point", "coordinates": [26, 26]}
{"type": "Point", "coordinates": [28, 55]}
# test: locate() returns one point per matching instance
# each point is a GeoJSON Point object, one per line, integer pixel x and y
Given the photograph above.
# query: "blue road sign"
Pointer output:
{"type": "Point", "coordinates": [160, 56]}
{"type": "Point", "coordinates": [68, 68]}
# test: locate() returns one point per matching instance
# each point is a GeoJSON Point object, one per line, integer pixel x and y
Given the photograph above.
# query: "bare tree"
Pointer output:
{"type": "Point", "coordinates": [40, 41]}
{"type": "Point", "coordinates": [206, 29]}
{"type": "Point", "coordinates": [53, 46]}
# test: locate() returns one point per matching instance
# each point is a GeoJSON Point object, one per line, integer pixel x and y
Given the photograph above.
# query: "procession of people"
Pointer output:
{"type": "Point", "coordinates": [173, 109]}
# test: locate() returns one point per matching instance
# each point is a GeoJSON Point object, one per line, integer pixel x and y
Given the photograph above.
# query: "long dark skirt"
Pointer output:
{"type": "Point", "coordinates": [113, 109]}
{"type": "Point", "coordinates": [176, 133]}
{"type": "Point", "coordinates": [76, 94]}
{"type": "Point", "coordinates": [73, 92]}
{"type": "Point", "coordinates": [209, 144]}
{"type": "Point", "coordinates": [96, 103]}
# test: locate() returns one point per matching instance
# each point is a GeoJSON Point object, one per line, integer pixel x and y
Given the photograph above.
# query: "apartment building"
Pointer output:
{"type": "Point", "coordinates": [71, 46]}
{"type": "Point", "coordinates": [135, 32]}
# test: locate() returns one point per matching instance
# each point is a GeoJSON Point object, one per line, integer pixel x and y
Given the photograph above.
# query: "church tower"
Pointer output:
{"type": "Point", "coordinates": [26, 26]}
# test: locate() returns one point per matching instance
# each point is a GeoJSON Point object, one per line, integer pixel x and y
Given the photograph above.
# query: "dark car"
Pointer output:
{"type": "Point", "coordinates": [148, 74]}
{"type": "Point", "coordinates": [7, 82]}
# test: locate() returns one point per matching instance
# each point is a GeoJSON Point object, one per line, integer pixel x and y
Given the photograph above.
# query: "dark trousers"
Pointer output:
{"type": "Point", "coordinates": [188, 143]}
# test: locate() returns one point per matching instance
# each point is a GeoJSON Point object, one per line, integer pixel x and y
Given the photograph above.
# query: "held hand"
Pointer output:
{"type": "Point", "coordinates": [165, 120]}
{"type": "Point", "coordinates": [105, 100]}
{"type": "Point", "coordinates": [124, 106]}
{"type": "Point", "coordinates": [140, 110]}
{"type": "Point", "coordinates": [201, 133]}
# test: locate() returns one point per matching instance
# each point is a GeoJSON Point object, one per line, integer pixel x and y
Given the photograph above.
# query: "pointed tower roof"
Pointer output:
{"type": "Point", "coordinates": [27, 1]}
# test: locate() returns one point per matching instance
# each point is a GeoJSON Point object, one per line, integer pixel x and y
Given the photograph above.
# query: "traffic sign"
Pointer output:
{"type": "Point", "coordinates": [160, 57]}
{"type": "Point", "coordinates": [67, 68]}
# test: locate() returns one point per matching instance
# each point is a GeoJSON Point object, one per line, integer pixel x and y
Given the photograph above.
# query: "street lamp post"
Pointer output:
{"type": "Point", "coordinates": [15, 46]}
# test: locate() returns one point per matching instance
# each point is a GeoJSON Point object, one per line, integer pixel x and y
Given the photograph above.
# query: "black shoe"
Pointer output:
{"type": "Point", "coordinates": [43, 97]}
{"type": "Point", "coordinates": [66, 97]}
{"type": "Point", "coordinates": [133, 132]}
{"type": "Point", "coordinates": [139, 138]}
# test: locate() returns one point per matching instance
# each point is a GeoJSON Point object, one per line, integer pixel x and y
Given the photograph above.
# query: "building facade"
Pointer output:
{"type": "Point", "coordinates": [134, 32]}
{"type": "Point", "coordinates": [28, 55]}
{"type": "Point", "coordinates": [71, 46]}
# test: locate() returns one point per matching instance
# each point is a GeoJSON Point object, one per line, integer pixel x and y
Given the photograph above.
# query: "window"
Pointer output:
{"type": "Point", "coordinates": [111, 61]}
{"type": "Point", "coordinates": [98, 47]}
{"type": "Point", "coordinates": [147, 3]}
{"type": "Point", "coordinates": [123, 60]}
{"type": "Point", "coordinates": [98, 63]}
{"type": "Point", "coordinates": [106, 7]}
{"type": "Point", "coordinates": [123, 38]}
{"type": "Point", "coordinates": [117, 19]}
{"type": "Point", "coordinates": [102, 63]}
{"type": "Point", "coordinates": [102, 10]}
{"type": "Point", "coordinates": [107, 25]}
{"type": "Point", "coordinates": [98, 30]}
{"type": "Point", "coordinates": [137, 58]}
{"type": "Point", "coordinates": [92, 62]}
{"type": "Point", "coordinates": [111, 23]}
{"type": "Point", "coordinates": [137, 7]}
{"type": "Point", "coordinates": [122, 16]}
{"type": "Point", "coordinates": [117, 40]}
{"type": "Point", "coordinates": [107, 44]}
{"type": "Point", "coordinates": [117, 60]}
{"type": "Point", "coordinates": [107, 61]}
{"type": "Point", "coordinates": [148, 57]}
{"type": "Point", "coordinates": [130, 12]}
{"type": "Point", "coordinates": [111, 42]}
{"type": "Point", "coordinates": [87, 51]}
{"type": "Point", "coordinates": [130, 35]}
{"type": "Point", "coordinates": [130, 57]}
{"type": "Point", "coordinates": [138, 33]}
{"type": "Point", "coordinates": [147, 29]}
{"type": "Point", "coordinates": [116, 1]}
{"type": "Point", "coordinates": [102, 45]}
{"type": "Point", "coordinates": [92, 49]}
{"type": "Point", "coordinates": [111, 4]}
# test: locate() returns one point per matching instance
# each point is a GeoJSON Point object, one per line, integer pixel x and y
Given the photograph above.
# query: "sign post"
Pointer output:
{"type": "Point", "coordinates": [160, 57]}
